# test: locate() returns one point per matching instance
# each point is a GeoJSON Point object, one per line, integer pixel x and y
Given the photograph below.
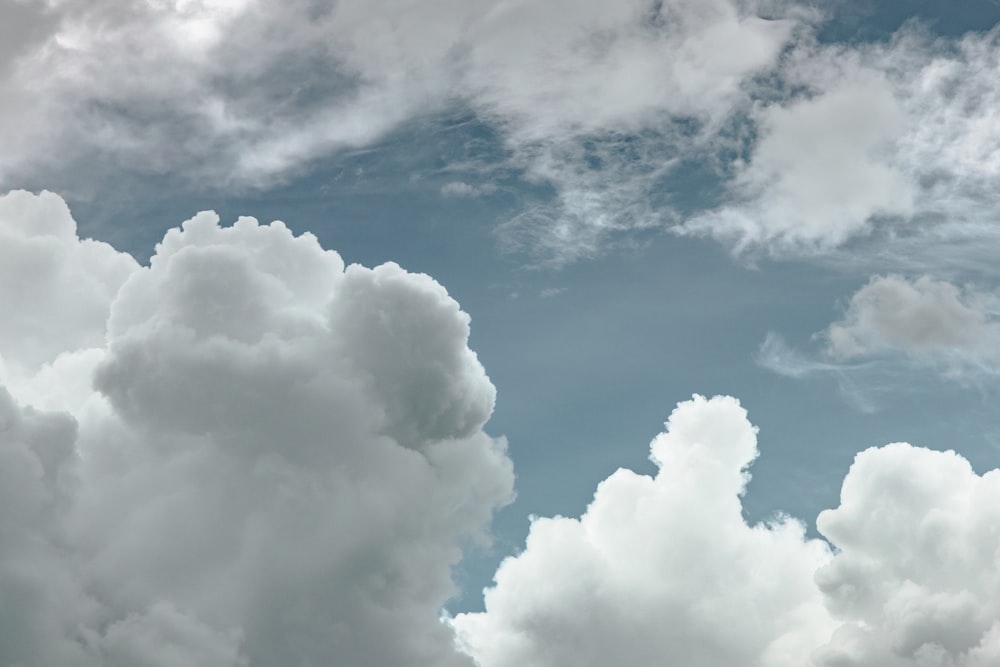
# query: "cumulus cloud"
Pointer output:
{"type": "Point", "coordinates": [818, 175]}
{"type": "Point", "coordinates": [914, 579]}
{"type": "Point", "coordinates": [664, 569]}
{"type": "Point", "coordinates": [57, 288]}
{"type": "Point", "coordinates": [923, 318]}
{"type": "Point", "coordinates": [660, 569]}
{"type": "Point", "coordinates": [881, 134]}
{"type": "Point", "coordinates": [277, 461]}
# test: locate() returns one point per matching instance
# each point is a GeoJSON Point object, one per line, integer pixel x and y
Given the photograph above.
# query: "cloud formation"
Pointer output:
{"type": "Point", "coordinates": [277, 458]}
{"type": "Point", "coordinates": [915, 315]}
{"type": "Point", "coordinates": [605, 105]}
{"type": "Point", "coordinates": [270, 458]}
{"type": "Point", "coordinates": [664, 569]}
{"type": "Point", "coordinates": [660, 569]}
{"type": "Point", "coordinates": [898, 134]}
{"type": "Point", "coordinates": [596, 100]}
{"type": "Point", "coordinates": [930, 322]}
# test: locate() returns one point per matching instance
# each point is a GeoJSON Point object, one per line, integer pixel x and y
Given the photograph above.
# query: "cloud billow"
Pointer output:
{"type": "Point", "coordinates": [279, 465]}
{"type": "Point", "coordinates": [265, 457]}
{"type": "Point", "coordinates": [664, 569]}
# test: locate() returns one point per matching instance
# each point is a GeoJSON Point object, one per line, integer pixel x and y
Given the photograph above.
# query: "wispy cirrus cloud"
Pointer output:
{"type": "Point", "coordinates": [602, 105]}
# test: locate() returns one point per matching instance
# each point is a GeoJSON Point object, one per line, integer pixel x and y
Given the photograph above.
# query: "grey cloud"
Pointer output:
{"type": "Point", "coordinates": [55, 289]}
{"type": "Point", "coordinates": [601, 101]}
{"type": "Point", "coordinates": [280, 466]}
{"type": "Point", "coordinates": [251, 92]}
{"type": "Point", "coordinates": [921, 317]}
{"type": "Point", "coordinates": [883, 134]}
{"type": "Point", "coordinates": [892, 326]}
{"type": "Point", "coordinates": [285, 456]}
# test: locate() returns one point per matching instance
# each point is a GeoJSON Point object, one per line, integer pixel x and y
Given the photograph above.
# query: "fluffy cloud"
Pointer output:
{"type": "Point", "coordinates": [896, 132]}
{"type": "Point", "coordinates": [56, 288]}
{"type": "Point", "coordinates": [664, 569]}
{"type": "Point", "coordinates": [660, 570]}
{"type": "Point", "coordinates": [819, 174]}
{"type": "Point", "coordinates": [278, 464]}
{"type": "Point", "coordinates": [914, 581]}
{"type": "Point", "coordinates": [278, 459]}
{"type": "Point", "coordinates": [924, 318]}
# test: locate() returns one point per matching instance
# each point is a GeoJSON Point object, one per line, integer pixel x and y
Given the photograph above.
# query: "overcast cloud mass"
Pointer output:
{"type": "Point", "coordinates": [237, 449]}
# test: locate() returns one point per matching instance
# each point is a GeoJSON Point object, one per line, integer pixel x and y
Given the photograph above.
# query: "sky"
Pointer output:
{"type": "Point", "coordinates": [499, 332]}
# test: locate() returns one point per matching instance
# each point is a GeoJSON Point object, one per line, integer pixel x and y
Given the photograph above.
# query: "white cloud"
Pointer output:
{"type": "Point", "coordinates": [596, 99]}
{"type": "Point", "coordinates": [284, 456]}
{"type": "Point", "coordinates": [55, 289]}
{"type": "Point", "coordinates": [664, 570]}
{"type": "Point", "coordinates": [925, 318]}
{"type": "Point", "coordinates": [819, 174]}
{"type": "Point", "coordinates": [914, 580]}
{"type": "Point", "coordinates": [660, 570]}
{"type": "Point", "coordinates": [885, 135]}
{"type": "Point", "coordinates": [280, 464]}
{"type": "Point", "coordinates": [599, 101]}
{"type": "Point", "coordinates": [463, 189]}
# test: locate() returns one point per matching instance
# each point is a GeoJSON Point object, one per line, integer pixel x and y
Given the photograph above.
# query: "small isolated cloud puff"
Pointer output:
{"type": "Point", "coordinates": [664, 570]}
{"type": "Point", "coordinates": [923, 318]}
{"type": "Point", "coordinates": [463, 189]}
{"type": "Point", "coordinates": [277, 462]}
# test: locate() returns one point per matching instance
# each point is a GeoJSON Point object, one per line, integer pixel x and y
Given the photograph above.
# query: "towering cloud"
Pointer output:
{"type": "Point", "coordinates": [661, 569]}
{"type": "Point", "coordinates": [664, 569]}
{"type": "Point", "coordinates": [278, 462]}
{"type": "Point", "coordinates": [264, 457]}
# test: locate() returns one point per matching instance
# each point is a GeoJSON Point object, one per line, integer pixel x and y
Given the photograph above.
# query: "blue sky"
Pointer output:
{"type": "Point", "coordinates": [634, 202]}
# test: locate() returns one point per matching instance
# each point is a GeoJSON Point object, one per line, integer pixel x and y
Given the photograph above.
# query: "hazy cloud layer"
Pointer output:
{"type": "Point", "coordinates": [664, 569]}
{"type": "Point", "coordinates": [660, 570]}
{"type": "Point", "coordinates": [281, 461]}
